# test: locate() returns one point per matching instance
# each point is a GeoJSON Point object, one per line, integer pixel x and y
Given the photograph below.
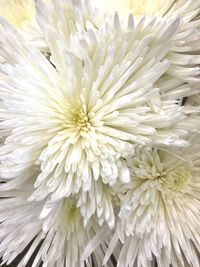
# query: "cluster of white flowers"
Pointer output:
{"type": "Point", "coordinates": [100, 133]}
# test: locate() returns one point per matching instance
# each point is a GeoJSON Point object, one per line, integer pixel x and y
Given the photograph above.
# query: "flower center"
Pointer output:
{"type": "Point", "coordinates": [18, 13]}
{"type": "Point", "coordinates": [81, 121]}
{"type": "Point", "coordinates": [176, 179]}
{"type": "Point", "coordinates": [149, 166]}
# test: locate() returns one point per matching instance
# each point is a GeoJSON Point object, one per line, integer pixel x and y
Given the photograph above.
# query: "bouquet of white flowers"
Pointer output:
{"type": "Point", "coordinates": [100, 133]}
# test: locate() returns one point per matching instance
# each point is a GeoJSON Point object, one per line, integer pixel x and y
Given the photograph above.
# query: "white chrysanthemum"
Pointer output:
{"type": "Point", "coordinates": [100, 200]}
{"type": "Point", "coordinates": [185, 65]}
{"type": "Point", "coordinates": [147, 7]}
{"type": "Point", "coordinates": [66, 17]}
{"type": "Point", "coordinates": [160, 210]}
{"type": "Point", "coordinates": [138, 8]}
{"type": "Point", "coordinates": [81, 14]}
{"type": "Point", "coordinates": [50, 233]}
{"type": "Point", "coordinates": [63, 18]}
{"type": "Point", "coordinates": [22, 15]}
{"type": "Point", "coordinates": [79, 117]}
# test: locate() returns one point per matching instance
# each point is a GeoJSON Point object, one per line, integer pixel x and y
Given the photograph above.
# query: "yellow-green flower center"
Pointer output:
{"type": "Point", "coordinates": [176, 178]}
{"type": "Point", "coordinates": [81, 121]}
{"type": "Point", "coordinates": [19, 13]}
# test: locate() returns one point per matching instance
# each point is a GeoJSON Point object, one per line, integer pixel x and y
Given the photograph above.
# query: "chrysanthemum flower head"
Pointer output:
{"type": "Point", "coordinates": [51, 231]}
{"type": "Point", "coordinates": [78, 116]}
{"type": "Point", "coordinates": [159, 216]}
{"type": "Point", "coordinates": [21, 14]}
{"type": "Point", "coordinates": [138, 8]}
{"type": "Point", "coordinates": [184, 54]}
{"type": "Point", "coordinates": [149, 8]}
